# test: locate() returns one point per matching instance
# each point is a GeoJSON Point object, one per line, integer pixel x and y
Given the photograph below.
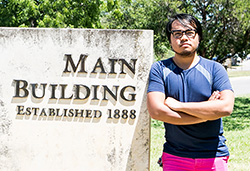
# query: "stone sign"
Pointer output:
{"type": "Point", "coordinates": [74, 99]}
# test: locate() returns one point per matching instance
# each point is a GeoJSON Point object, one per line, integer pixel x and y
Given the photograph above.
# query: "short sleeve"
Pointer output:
{"type": "Point", "coordinates": [156, 81]}
{"type": "Point", "coordinates": [220, 78]}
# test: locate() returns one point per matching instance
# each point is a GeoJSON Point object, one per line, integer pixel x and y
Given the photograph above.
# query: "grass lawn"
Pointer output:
{"type": "Point", "coordinates": [157, 141]}
{"type": "Point", "coordinates": [238, 143]}
{"type": "Point", "coordinates": [237, 132]}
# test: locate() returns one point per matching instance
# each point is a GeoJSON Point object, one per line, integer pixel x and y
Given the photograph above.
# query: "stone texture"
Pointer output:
{"type": "Point", "coordinates": [40, 140]}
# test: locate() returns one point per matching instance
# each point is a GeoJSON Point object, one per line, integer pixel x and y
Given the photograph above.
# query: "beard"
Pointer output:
{"type": "Point", "coordinates": [186, 53]}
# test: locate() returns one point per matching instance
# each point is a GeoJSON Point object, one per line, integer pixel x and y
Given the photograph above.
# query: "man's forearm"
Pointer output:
{"type": "Point", "coordinates": [176, 118]}
{"type": "Point", "coordinates": [159, 111]}
{"type": "Point", "coordinates": [208, 110]}
{"type": "Point", "coordinates": [184, 119]}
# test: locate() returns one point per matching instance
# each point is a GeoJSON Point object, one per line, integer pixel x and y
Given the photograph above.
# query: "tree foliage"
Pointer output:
{"type": "Point", "coordinates": [50, 13]}
{"type": "Point", "coordinates": [143, 14]}
{"type": "Point", "coordinates": [225, 23]}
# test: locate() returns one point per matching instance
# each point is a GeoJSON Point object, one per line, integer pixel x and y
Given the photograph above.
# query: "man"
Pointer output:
{"type": "Point", "coordinates": [190, 94]}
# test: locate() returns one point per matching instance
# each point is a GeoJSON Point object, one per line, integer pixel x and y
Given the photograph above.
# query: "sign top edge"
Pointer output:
{"type": "Point", "coordinates": [79, 29]}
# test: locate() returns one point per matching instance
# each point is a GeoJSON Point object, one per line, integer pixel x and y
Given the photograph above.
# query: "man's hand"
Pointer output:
{"type": "Point", "coordinates": [215, 96]}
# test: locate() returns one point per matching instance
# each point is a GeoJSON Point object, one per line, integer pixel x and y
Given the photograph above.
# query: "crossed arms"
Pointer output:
{"type": "Point", "coordinates": [178, 113]}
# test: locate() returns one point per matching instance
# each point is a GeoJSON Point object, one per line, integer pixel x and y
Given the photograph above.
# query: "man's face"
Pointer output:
{"type": "Point", "coordinates": [186, 44]}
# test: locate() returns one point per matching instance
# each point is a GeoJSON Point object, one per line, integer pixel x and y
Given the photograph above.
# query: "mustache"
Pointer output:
{"type": "Point", "coordinates": [185, 43]}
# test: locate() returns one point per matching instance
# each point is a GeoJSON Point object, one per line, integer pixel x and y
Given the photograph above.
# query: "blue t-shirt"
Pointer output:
{"type": "Point", "coordinates": [203, 140]}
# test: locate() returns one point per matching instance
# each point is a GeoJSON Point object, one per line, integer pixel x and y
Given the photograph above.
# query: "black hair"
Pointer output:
{"type": "Point", "coordinates": [189, 19]}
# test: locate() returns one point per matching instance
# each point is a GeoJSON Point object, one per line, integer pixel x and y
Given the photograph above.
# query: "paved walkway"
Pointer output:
{"type": "Point", "coordinates": [241, 85]}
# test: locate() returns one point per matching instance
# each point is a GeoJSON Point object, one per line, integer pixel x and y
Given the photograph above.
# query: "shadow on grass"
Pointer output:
{"type": "Point", "coordinates": [240, 118]}
{"type": "Point", "coordinates": [156, 124]}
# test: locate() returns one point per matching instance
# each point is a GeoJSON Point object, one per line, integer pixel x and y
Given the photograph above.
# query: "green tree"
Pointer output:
{"type": "Point", "coordinates": [225, 24]}
{"type": "Point", "coordinates": [50, 13]}
{"type": "Point", "coordinates": [142, 14]}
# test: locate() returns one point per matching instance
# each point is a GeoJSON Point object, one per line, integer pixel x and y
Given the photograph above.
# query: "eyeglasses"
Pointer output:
{"type": "Point", "coordinates": [179, 33]}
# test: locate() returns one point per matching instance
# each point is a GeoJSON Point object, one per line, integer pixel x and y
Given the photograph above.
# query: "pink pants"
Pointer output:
{"type": "Point", "coordinates": [175, 163]}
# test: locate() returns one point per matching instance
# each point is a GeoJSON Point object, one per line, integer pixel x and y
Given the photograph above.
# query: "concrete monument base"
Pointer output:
{"type": "Point", "coordinates": [74, 99]}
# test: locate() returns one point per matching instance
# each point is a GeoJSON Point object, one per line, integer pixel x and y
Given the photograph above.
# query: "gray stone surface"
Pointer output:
{"type": "Point", "coordinates": [74, 120]}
